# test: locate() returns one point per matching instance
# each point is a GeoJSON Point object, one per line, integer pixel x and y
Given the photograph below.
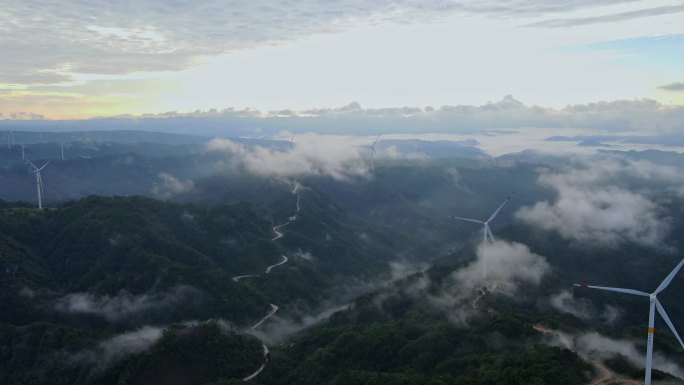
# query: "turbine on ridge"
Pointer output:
{"type": "Point", "coordinates": [486, 232]}
{"type": "Point", "coordinates": [654, 304]}
{"type": "Point", "coordinates": [244, 157]}
{"type": "Point", "coordinates": [372, 148]}
{"type": "Point", "coordinates": [39, 181]}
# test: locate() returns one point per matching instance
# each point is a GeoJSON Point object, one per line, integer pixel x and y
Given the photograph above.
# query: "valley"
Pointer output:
{"type": "Point", "coordinates": [327, 280]}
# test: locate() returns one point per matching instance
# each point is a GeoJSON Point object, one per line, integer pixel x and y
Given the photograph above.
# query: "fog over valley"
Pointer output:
{"type": "Point", "coordinates": [395, 193]}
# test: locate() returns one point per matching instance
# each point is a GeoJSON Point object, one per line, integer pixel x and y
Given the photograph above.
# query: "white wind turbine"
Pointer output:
{"type": "Point", "coordinates": [487, 232]}
{"type": "Point", "coordinates": [655, 304]}
{"type": "Point", "coordinates": [39, 182]}
{"type": "Point", "coordinates": [244, 157]}
{"type": "Point", "coordinates": [372, 148]}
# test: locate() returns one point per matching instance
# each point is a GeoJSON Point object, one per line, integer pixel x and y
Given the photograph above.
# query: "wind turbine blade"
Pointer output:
{"type": "Point", "coordinates": [46, 163]}
{"type": "Point", "coordinates": [669, 278]}
{"type": "Point", "coordinates": [466, 219]}
{"type": "Point", "coordinates": [499, 209]}
{"type": "Point", "coordinates": [489, 231]}
{"type": "Point", "coordinates": [376, 140]}
{"type": "Point", "coordinates": [619, 290]}
{"type": "Point", "coordinates": [668, 322]}
{"type": "Point", "coordinates": [31, 163]}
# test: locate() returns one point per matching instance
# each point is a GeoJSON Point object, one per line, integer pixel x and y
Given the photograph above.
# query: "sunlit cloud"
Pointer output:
{"type": "Point", "coordinates": [149, 57]}
{"type": "Point", "coordinates": [675, 87]}
{"type": "Point", "coordinates": [595, 205]}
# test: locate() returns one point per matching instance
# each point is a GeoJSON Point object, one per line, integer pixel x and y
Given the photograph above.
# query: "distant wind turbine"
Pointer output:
{"type": "Point", "coordinates": [487, 232]}
{"type": "Point", "coordinates": [23, 154]}
{"type": "Point", "coordinates": [655, 304]}
{"type": "Point", "coordinates": [39, 181]}
{"type": "Point", "coordinates": [62, 145]}
{"type": "Point", "coordinates": [372, 148]}
{"type": "Point", "coordinates": [244, 157]}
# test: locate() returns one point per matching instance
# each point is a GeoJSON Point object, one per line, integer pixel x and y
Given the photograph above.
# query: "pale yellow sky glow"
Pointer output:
{"type": "Point", "coordinates": [417, 60]}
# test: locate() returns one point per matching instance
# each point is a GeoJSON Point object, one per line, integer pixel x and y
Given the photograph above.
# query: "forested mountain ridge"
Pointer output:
{"type": "Point", "coordinates": [80, 273]}
{"type": "Point", "coordinates": [106, 290]}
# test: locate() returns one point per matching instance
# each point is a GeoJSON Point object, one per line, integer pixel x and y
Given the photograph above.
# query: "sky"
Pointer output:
{"type": "Point", "coordinates": [85, 58]}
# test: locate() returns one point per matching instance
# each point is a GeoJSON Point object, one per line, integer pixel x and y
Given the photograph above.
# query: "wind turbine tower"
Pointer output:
{"type": "Point", "coordinates": [61, 143]}
{"type": "Point", "coordinates": [486, 232]}
{"type": "Point", "coordinates": [39, 182]}
{"type": "Point", "coordinates": [654, 304]}
{"type": "Point", "coordinates": [244, 157]}
{"type": "Point", "coordinates": [372, 148]}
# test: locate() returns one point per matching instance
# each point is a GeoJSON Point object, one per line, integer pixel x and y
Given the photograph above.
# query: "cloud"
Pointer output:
{"type": "Point", "coordinates": [533, 7]}
{"type": "Point", "coordinates": [310, 154]}
{"type": "Point", "coordinates": [393, 152]}
{"type": "Point", "coordinates": [615, 17]}
{"type": "Point", "coordinates": [582, 308]}
{"type": "Point", "coordinates": [305, 255]}
{"type": "Point", "coordinates": [171, 185]}
{"type": "Point", "coordinates": [677, 87]}
{"type": "Point", "coordinates": [226, 145]}
{"type": "Point", "coordinates": [27, 292]}
{"type": "Point", "coordinates": [23, 115]}
{"type": "Point", "coordinates": [277, 329]}
{"type": "Point", "coordinates": [46, 42]}
{"type": "Point", "coordinates": [119, 346]}
{"type": "Point", "coordinates": [628, 116]}
{"type": "Point", "coordinates": [510, 113]}
{"type": "Point", "coordinates": [642, 115]}
{"type": "Point", "coordinates": [597, 346]}
{"type": "Point", "coordinates": [593, 205]}
{"type": "Point", "coordinates": [508, 266]}
{"type": "Point", "coordinates": [123, 305]}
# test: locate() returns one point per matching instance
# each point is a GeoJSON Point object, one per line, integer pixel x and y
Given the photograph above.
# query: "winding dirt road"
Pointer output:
{"type": "Point", "coordinates": [268, 269]}
{"type": "Point", "coordinates": [274, 308]}
{"type": "Point", "coordinates": [263, 365]}
{"type": "Point", "coordinates": [239, 277]}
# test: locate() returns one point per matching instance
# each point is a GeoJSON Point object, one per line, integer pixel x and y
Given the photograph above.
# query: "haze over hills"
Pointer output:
{"type": "Point", "coordinates": [341, 192]}
{"type": "Point", "coordinates": [163, 257]}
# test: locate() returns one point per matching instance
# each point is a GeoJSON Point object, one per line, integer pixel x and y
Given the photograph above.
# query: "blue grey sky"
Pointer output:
{"type": "Point", "coordinates": [86, 58]}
